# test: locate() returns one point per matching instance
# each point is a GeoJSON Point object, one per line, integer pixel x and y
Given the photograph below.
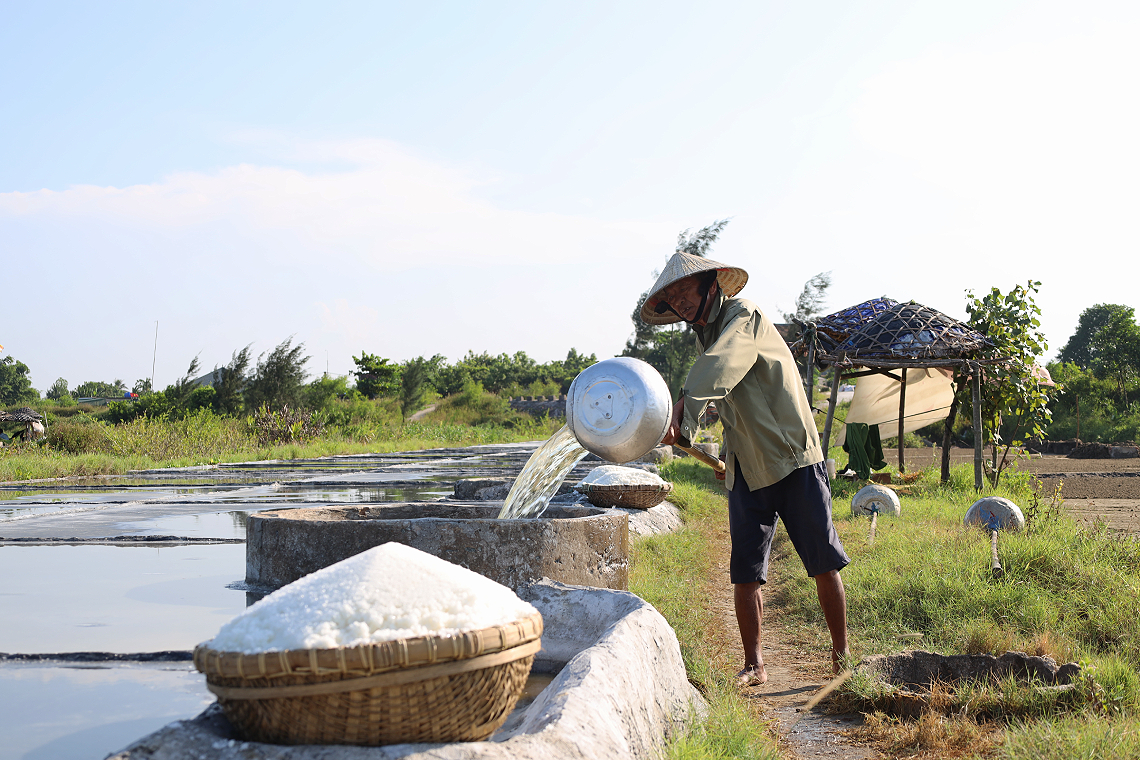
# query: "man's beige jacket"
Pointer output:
{"type": "Point", "coordinates": [747, 369]}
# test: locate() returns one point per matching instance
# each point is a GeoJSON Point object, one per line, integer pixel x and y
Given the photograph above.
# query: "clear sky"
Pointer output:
{"type": "Point", "coordinates": [421, 178]}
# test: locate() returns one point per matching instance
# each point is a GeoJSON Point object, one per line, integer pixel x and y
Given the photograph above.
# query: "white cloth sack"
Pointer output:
{"type": "Point", "coordinates": [929, 393]}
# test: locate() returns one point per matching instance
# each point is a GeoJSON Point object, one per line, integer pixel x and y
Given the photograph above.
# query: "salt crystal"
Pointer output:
{"type": "Point", "coordinates": [612, 475]}
{"type": "Point", "coordinates": [389, 592]}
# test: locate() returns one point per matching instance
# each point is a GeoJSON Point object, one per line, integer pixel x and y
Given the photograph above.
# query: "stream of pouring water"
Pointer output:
{"type": "Point", "coordinates": [544, 472]}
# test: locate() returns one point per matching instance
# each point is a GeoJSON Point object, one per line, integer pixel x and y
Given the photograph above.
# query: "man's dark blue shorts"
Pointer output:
{"type": "Point", "coordinates": [803, 501]}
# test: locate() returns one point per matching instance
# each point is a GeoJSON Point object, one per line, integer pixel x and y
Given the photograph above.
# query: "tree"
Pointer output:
{"type": "Point", "coordinates": [671, 349]}
{"type": "Point", "coordinates": [415, 380]}
{"type": "Point", "coordinates": [809, 303]}
{"type": "Point", "coordinates": [319, 395]}
{"type": "Point", "coordinates": [180, 391]}
{"type": "Point", "coordinates": [15, 385]}
{"type": "Point", "coordinates": [57, 390]}
{"type": "Point", "coordinates": [230, 383]}
{"type": "Point", "coordinates": [564, 372]}
{"type": "Point", "coordinates": [375, 377]}
{"type": "Point", "coordinates": [279, 377]}
{"type": "Point", "coordinates": [1010, 390]}
{"type": "Point", "coordinates": [1116, 350]}
{"type": "Point", "coordinates": [100, 389]}
{"type": "Point", "coordinates": [1083, 348]}
{"type": "Point", "coordinates": [142, 386]}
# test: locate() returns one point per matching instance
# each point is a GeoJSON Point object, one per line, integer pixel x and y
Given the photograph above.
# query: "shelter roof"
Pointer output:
{"type": "Point", "coordinates": [907, 334]}
{"type": "Point", "coordinates": [23, 414]}
{"type": "Point", "coordinates": [835, 328]}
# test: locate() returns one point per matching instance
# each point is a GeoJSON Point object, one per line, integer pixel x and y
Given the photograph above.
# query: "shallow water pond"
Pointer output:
{"type": "Point", "coordinates": [116, 598]}
{"type": "Point", "coordinates": [57, 711]}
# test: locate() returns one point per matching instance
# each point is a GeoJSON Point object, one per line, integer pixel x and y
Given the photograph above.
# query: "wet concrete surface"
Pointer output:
{"type": "Point", "coordinates": [81, 576]}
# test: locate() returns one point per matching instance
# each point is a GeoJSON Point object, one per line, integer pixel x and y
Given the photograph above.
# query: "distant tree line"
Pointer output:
{"type": "Point", "coordinates": [505, 374]}
{"type": "Point", "coordinates": [1099, 373]}
{"type": "Point", "coordinates": [278, 378]}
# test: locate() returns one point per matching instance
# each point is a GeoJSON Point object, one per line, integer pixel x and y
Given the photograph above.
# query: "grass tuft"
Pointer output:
{"type": "Point", "coordinates": [1073, 736]}
{"type": "Point", "coordinates": [931, 732]}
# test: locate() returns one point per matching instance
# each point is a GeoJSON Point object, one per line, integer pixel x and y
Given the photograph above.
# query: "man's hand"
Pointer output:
{"type": "Point", "coordinates": [674, 431]}
{"type": "Point", "coordinates": [720, 473]}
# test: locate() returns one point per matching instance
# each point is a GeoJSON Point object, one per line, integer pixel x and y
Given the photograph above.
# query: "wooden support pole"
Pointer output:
{"type": "Point", "coordinates": [836, 375]}
{"type": "Point", "coordinates": [976, 387]}
{"type": "Point", "coordinates": [874, 519]}
{"type": "Point", "coordinates": [902, 418]}
{"type": "Point", "coordinates": [948, 430]}
{"type": "Point", "coordinates": [809, 333]}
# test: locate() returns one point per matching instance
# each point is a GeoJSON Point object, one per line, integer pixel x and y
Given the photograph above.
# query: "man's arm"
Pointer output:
{"type": "Point", "coordinates": [674, 431]}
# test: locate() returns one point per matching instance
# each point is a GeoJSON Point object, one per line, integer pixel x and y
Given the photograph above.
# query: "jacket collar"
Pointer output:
{"type": "Point", "coordinates": [711, 328]}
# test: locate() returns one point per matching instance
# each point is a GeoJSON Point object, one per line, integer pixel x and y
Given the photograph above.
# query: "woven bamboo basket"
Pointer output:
{"type": "Point", "coordinates": [424, 689]}
{"type": "Point", "coordinates": [632, 496]}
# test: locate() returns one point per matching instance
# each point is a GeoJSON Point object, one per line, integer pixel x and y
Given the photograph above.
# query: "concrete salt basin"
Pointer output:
{"type": "Point", "coordinates": [579, 545]}
{"type": "Point", "coordinates": [908, 679]}
{"type": "Point", "coordinates": [620, 692]}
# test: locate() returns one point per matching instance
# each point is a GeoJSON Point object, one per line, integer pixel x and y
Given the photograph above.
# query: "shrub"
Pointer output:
{"type": "Point", "coordinates": [201, 434]}
{"type": "Point", "coordinates": [284, 426]}
{"type": "Point", "coordinates": [78, 437]}
{"type": "Point", "coordinates": [153, 405]}
{"type": "Point", "coordinates": [323, 393]}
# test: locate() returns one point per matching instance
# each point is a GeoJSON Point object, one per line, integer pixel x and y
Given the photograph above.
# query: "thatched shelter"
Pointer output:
{"type": "Point", "coordinates": [881, 335]}
{"type": "Point", "coordinates": [30, 419]}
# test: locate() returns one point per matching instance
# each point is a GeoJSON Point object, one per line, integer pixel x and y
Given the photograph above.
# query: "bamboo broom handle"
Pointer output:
{"type": "Point", "coordinates": [684, 445]}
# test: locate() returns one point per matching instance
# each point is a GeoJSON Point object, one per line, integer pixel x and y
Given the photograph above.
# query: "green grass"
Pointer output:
{"type": "Point", "coordinates": [671, 572]}
{"type": "Point", "coordinates": [1074, 736]}
{"type": "Point", "coordinates": [90, 447]}
{"type": "Point", "coordinates": [1071, 592]}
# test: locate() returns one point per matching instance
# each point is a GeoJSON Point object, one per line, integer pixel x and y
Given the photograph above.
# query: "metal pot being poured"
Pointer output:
{"type": "Point", "coordinates": [620, 410]}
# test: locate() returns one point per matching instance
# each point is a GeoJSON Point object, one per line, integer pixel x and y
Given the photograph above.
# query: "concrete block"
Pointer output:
{"type": "Point", "coordinates": [663, 518]}
{"type": "Point", "coordinates": [659, 455]}
{"type": "Point", "coordinates": [465, 490]}
{"type": "Point", "coordinates": [573, 544]}
{"type": "Point", "coordinates": [621, 692]}
{"type": "Point", "coordinates": [712, 449]}
{"type": "Point", "coordinates": [1124, 452]}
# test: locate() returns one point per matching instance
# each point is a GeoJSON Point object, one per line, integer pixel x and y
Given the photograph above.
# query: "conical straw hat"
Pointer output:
{"type": "Point", "coordinates": [680, 266]}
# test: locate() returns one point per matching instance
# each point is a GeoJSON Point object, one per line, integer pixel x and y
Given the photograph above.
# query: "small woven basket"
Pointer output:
{"type": "Point", "coordinates": [424, 689]}
{"type": "Point", "coordinates": [632, 496]}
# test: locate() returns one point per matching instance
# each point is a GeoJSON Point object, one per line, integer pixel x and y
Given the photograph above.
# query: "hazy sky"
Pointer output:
{"type": "Point", "coordinates": [422, 178]}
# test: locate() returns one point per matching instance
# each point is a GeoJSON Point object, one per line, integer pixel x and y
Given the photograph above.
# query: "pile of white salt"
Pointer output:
{"type": "Point", "coordinates": [389, 592]}
{"type": "Point", "coordinates": [613, 475]}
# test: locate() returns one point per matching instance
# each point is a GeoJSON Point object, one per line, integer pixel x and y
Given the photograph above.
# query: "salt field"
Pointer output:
{"type": "Point", "coordinates": [152, 563]}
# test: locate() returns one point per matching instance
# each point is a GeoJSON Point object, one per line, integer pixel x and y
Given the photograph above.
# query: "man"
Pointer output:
{"type": "Point", "coordinates": [774, 463]}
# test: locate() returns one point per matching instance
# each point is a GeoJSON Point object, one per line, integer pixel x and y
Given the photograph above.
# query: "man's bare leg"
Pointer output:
{"type": "Point", "coordinates": [749, 614]}
{"type": "Point", "coordinates": [833, 601]}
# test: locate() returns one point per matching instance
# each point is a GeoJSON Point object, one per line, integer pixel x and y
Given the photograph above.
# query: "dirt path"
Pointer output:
{"type": "Point", "coordinates": [423, 413]}
{"type": "Point", "coordinates": [796, 670]}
